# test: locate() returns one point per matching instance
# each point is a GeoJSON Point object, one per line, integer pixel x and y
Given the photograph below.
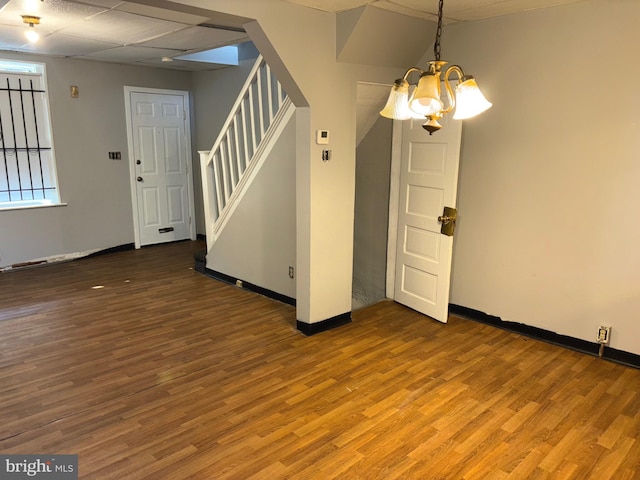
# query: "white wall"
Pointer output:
{"type": "Point", "coordinates": [548, 230]}
{"type": "Point", "coordinates": [258, 243]}
{"type": "Point", "coordinates": [300, 45]}
{"type": "Point", "coordinates": [97, 190]}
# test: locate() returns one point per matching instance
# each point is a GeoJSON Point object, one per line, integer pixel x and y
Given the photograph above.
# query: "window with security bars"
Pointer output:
{"type": "Point", "coordinates": [27, 165]}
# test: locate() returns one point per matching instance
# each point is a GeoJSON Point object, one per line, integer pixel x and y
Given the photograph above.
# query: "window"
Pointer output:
{"type": "Point", "coordinates": [27, 165]}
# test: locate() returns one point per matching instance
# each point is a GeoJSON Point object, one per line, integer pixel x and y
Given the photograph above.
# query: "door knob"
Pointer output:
{"type": "Point", "coordinates": [448, 221]}
{"type": "Point", "coordinates": [139, 179]}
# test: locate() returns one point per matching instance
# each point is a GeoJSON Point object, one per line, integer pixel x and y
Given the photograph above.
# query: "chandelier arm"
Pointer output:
{"type": "Point", "coordinates": [410, 71]}
{"type": "Point", "coordinates": [452, 98]}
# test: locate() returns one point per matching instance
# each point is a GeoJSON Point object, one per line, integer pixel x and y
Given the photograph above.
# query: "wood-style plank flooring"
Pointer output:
{"type": "Point", "coordinates": [163, 373]}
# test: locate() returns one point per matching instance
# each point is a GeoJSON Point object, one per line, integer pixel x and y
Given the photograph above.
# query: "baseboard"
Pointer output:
{"type": "Point", "coordinates": [201, 236]}
{"type": "Point", "coordinates": [306, 328]}
{"type": "Point", "coordinates": [120, 248]}
{"type": "Point", "coordinates": [323, 325]}
{"type": "Point", "coordinates": [591, 348]}
{"type": "Point", "coordinates": [223, 277]}
{"type": "Point", "coordinates": [65, 257]}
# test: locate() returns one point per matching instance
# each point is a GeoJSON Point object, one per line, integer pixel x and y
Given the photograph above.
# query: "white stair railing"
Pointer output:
{"type": "Point", "coordinates": [251, 125]}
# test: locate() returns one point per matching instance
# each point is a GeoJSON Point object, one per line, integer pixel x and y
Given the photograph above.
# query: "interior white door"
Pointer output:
{"type": "Point", "coordinates": [428, 183]}
{"type": "Point", "coordinates": [161, 167]}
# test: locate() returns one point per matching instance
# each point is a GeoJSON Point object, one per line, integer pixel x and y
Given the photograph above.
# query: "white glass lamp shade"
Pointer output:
{"type": "Point", "coordinates": [397, 106]}
{"type": "Point", "coordinates": [426, 97]}
{"type": "Point", "coordinates": [469, 100]}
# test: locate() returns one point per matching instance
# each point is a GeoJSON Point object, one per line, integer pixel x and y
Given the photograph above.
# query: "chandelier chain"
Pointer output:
{"type": "Point", "coordinates": [436, 46]}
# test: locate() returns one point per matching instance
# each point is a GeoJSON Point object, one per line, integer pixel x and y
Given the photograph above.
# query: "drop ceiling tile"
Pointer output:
{"type": "Point", "coordinates": [183, 65]}
{"type": "Point", "coordinates": [102, 3]}
{"type": "Point", "coordinates": [12, 12]}
{"type": "Point", "coordinates": [125, 27]}
{"type": "Point", "coordinates": [394, 7]}
{"type": "Point", "coordinates": [131, 53]}
{"type": "Point", "coordinates": [454, 10]}
{"type": "Point", "coordinates": [12, 38]}
{"type": "Point", "coordinates": [195, 38]}
{"type": "Point", "coordinates": [53, 15]}
{"type": "Point", "coordinates": [161, 13]}
{"type": "Point", "coordinates": [67, 45]}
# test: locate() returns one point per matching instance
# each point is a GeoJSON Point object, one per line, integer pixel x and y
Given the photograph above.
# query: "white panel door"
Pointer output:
{"type": "Point", "coordinates": [428, 183]}
{"type": "Point", "coordinates": [161, 167]}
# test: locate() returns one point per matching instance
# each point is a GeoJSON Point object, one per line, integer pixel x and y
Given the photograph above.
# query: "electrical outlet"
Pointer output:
{"type": "Point", "coordinates": [603, 334]}
{"type": "Point", "coordinates": [291, 272]}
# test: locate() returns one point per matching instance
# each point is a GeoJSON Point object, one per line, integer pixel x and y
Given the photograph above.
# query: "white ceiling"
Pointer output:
{"type": "Point", "coordinates": [132, 33]}
{"type": "Point", "coordinates": [453, 11]}
{"type": "Point", "coordinates": [112, 31]}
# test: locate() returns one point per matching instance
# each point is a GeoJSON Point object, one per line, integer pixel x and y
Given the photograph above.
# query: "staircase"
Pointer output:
{"type": "Point", "coordinates": [255, 121]}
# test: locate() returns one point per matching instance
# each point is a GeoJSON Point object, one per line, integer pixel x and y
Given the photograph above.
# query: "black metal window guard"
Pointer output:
{"type": "Point", "coordinates": [26, 160]}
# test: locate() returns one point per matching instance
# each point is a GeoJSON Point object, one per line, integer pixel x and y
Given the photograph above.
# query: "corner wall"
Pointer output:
{"type": "Point", "coordinates": [371, 219]}
{"type": "Point", "coordinates": [300, 45]}
{"type": "Point", "coordinates": [550, 178]}
{"type": "Point", "coordinates": [97, 190]}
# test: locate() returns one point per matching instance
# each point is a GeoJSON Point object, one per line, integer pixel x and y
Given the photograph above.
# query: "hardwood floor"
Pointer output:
{"type": "Point", "coordinates": [163, 373]}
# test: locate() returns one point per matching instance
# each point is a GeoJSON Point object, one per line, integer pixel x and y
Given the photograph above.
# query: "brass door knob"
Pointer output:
{"type": "Point", "coordinates": [445, 219]}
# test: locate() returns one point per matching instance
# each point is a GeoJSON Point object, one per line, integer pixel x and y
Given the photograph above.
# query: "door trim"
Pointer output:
{"type": "Point", "coordinates": [132, 168]}
{"type": "Point", "coordinates": [394, 202]}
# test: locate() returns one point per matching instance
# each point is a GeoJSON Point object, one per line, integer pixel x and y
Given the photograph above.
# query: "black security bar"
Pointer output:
{"type": "Point", "coordinates": [22, 180]}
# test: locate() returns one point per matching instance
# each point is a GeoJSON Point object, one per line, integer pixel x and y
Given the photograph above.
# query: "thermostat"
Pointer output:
{"type": "Point", "coordinates": [322, 137]}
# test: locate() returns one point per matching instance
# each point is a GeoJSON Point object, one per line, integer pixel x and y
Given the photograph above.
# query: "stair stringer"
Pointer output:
{"type": "Point", "coordinates": [263, 151]}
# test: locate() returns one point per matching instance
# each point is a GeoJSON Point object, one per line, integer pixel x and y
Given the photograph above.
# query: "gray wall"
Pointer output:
{"type": "Point", "coordinates": [97, 190]}
{"type": "Point", "coordinates": [371, 219]}
{"type": "Point", "coordinates": [300, 45]}
{"type": "Point", "coordinates": [550, 178]}
{"type": "Point", "coordinates": [258, 243]}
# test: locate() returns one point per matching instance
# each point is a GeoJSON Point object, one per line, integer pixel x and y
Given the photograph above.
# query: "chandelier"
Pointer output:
{"type": "Point", "coordinates": [424, 100]}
